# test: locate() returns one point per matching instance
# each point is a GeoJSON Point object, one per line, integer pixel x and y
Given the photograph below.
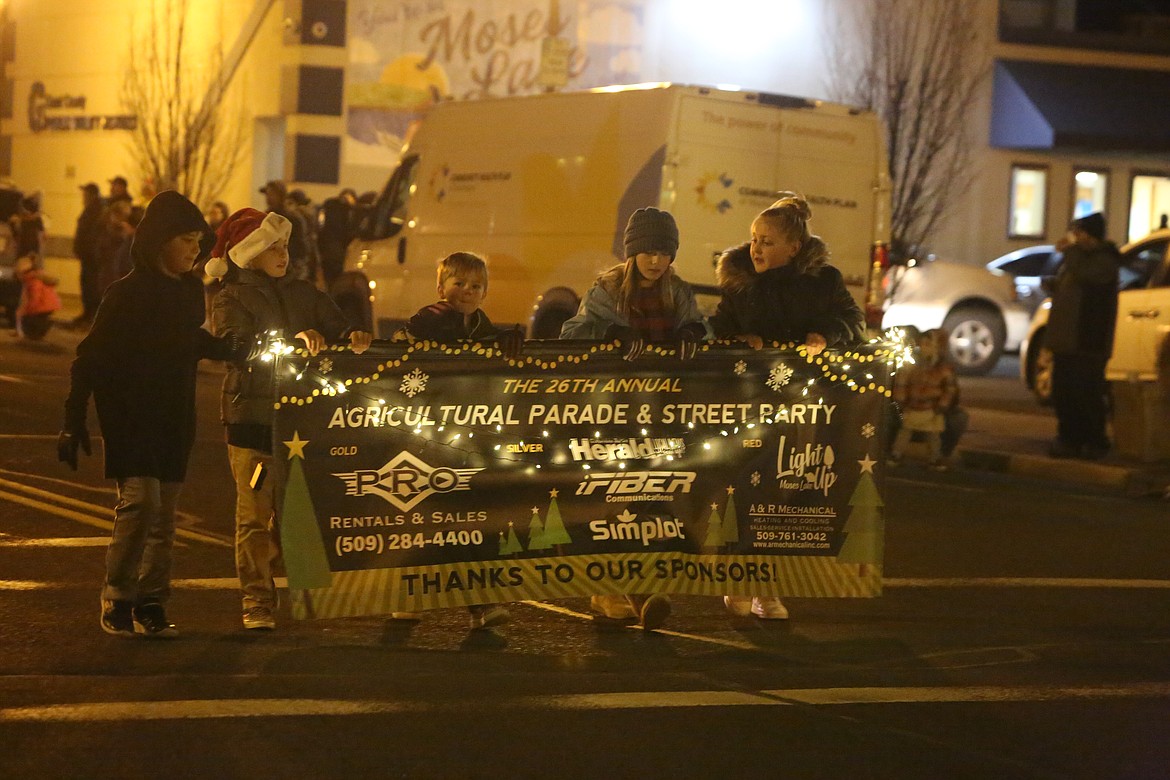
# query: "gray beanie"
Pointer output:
{"type": "Point", "coordinates": [651, 230]}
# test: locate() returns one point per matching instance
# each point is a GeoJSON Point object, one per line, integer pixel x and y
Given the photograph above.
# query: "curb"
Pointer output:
{"type": "Point", "coordinates": [1133, 481]}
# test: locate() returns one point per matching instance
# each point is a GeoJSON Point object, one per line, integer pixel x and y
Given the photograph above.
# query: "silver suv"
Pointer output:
{"type": "Point", "coordinates": [978, 307]}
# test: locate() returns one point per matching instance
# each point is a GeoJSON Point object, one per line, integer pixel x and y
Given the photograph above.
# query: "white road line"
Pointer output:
{"type": "Point", "coordinates": [202, 709]}
{"type": "Point", "coordinates": [65, 541]}
{"type": "Point", "coordinates": [14, 380]}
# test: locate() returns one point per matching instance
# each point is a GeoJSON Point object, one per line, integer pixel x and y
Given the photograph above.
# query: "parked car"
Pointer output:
{"type": "Point", "coordinates": [1027, 267]}
{"type": "Point", "coordinates": [978, 307]}
{"type": "Point", "coordinates": [1143, 320]}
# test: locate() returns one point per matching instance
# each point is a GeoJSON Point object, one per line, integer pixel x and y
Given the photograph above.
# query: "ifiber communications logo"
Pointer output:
{"type": "Point", "coordinates": [637, 485]}
{"type": "Point", "coordinates": [405, 481]}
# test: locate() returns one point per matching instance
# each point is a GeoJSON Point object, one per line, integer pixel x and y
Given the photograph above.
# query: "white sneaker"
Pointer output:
{"type": "Point", "coordinates": [488, 615]}
{"type": "Point", "coordinates": [613, 607]}
{"type": "Point", "coordinates": [259, 617]}
{"type": "Point", "coordinates": [655, 611]}
{"type": "Point", "coordinates": [740, 606]}
{"type": "Point", "coordinates": [769, 608]}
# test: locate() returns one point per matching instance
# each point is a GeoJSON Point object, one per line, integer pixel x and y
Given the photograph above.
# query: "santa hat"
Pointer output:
{"type": "Point", "coordinates": [244, 235]}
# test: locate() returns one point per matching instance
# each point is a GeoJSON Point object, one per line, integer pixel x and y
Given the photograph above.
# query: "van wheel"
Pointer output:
{"type": "Point", "coordinates": [976, 339]}
{"type": "Point", "coordinates": [1041, 371]}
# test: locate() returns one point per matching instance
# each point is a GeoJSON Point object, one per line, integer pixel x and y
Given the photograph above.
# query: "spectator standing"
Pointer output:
{"type": "Point", "coordinates": [259, 297]}
{"type": "Point", "coordinates": [115, 231]}
{"type": "Point", "coordinates": [28, 227]}
{"type": "Point", "coordinates": [300, 205]}
{"type": "Point", "coordinates": [87, 249]}
{"type": "Point", "coordinates": [926, 391]}
{"type": "Point", "coordinates": [38, 299]}
{"type": "Point", "coordinates": [215, 215]}
{"type": "Point", "coordinates": [780, 287]}
{"type": "Point", "coordinates": [1080, 335]}
{"type": "Point", "coordinates": [119, 191]}
{"type": "Point", "coordinates": [275, 195]}
{"type": "Point", "coordinates": [337, 230]}
{"type": "Point", "coordinates": [139, 363]}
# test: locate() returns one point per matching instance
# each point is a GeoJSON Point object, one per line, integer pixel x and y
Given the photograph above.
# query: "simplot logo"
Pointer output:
{"type": "Point", "coordinates": [406, 481]}
{"type": "Point", "coordinates": [627, 527]}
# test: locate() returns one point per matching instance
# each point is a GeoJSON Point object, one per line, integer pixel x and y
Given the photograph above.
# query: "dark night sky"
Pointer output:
{"type": "Point", "coordinates": [1108, 15]}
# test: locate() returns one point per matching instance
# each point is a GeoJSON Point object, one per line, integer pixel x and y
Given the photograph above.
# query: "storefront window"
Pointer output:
{"type": "Point", "coordinates": [1089, 188]}
{"type": "Point", "coordinates": [1149, 204]}
{"type": "Point", "coordinates": [1029, 201]}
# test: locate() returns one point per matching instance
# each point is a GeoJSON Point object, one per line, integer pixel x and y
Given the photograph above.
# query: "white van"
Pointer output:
{"type": "Point", "coordinates": [542, 187]}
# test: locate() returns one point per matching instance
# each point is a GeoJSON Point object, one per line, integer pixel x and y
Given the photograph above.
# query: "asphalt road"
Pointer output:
{"type": "Point", "coordinates": [1024, 632]}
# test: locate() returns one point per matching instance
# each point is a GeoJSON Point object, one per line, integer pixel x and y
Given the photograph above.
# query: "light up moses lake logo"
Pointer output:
{"type": "Point", "coordinates": [405, 481]}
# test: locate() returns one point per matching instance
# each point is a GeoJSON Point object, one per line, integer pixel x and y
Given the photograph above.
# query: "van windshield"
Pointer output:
{"type": "Point", "coordinates": [389, 212]}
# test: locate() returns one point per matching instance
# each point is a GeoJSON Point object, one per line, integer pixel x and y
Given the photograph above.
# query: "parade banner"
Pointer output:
{"type": "Point", "coordinates": [422, 476]}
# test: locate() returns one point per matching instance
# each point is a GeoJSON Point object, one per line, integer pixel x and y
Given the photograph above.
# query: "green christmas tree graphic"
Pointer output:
{"type": "Point", "coordinates": [865, 528]}
{"type": "Point", "coordinates": [730, 530]}
{"type": "Point", "coordinates": [554, 527]}
{"type": "Point", "coordinates": [714, 537]}
{"type": "Point", "coordinates": [510, 544]}
{"type": "Point", "coordinates": [300, 536]}
{"type": "Point", "coordinates": [536, 536]}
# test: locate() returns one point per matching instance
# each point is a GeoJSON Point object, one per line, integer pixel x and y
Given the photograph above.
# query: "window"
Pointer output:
{"type": "Point", "coordinates": [1089, 191]}
{"type": "Point", "coordinates": [1149, 204]}
{"type": "Point", "coordinates": [1028, 201]}
{"type": "Point", "coordinates": [389, 212]}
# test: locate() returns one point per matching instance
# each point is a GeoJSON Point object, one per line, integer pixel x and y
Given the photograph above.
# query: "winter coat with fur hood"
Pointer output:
{"type": "Point", "coordinates": [787, 303]}
{"type": "Point", "coordinates": [140, 357]}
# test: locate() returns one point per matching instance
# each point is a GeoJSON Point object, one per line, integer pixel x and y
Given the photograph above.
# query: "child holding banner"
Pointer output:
{"type": "Point", "coordinates": [258, 298]}
{"type": "Point", "coordinates": [139, 362]}
{"type": "Point", "coordinates": [638, 301]}
{"type": "Point", "coordinates": [779, 287]}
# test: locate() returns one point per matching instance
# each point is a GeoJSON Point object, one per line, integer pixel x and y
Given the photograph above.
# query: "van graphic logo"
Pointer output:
{"type": "Point", "coordinates": [405, 481]}
{"type": "Point", "coordinates": [712, 188]}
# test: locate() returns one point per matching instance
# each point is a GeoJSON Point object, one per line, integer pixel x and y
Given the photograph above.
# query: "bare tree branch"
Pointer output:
{"type": "Point", "coordinates": [919, 64]}
{"type": "Point", "coordinates": [187, 136]}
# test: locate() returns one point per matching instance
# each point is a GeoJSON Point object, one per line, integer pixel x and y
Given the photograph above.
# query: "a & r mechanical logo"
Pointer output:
{"type": "Point", "coordinates": [405, 481]}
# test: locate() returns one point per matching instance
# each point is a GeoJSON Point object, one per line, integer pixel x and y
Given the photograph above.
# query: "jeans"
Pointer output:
{"type": "Point", "coordinates": [138, 560]}
{"type": "Point", "coordinates": [257, 544]}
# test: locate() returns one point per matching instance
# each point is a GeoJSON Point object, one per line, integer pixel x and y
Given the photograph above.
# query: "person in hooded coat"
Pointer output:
{"type": "Point", "coordinates": [139, 363]}
{"type": "Point", "coordinates": [780, 287]}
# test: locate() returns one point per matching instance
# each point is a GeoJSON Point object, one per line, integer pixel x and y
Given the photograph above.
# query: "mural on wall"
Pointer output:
{"type": "Point", "coordinates": [404, 57]}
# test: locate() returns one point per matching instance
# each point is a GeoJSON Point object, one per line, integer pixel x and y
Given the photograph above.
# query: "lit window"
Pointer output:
{"type": "Point", "coordinates": [1089, 187]}
{"type": "Point", "coordinates": [1149, 204]}
{"type": "Point", "coordinates": [1028, 202]}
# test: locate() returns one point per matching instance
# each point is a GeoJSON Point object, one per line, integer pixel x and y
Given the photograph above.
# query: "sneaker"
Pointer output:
{"type": "Point", "coordinates": [740, 606]}
{"type": "Point", "coordinates": [150, 620]}
{"type": "Point", "coordinates": [259, 617]}
{"type": "Point", "coordinates": [613, 607]}
{"type": "Point", "coordinates": [769, 608]}
{"type": "Point", "coordinates": [117, 618]}
{"type": "Point", "coordinates": [412, 616]}
{"type": "Point", "coordinates": [655, 611]}
{"type": "Point", "coordinates": [488, 615]}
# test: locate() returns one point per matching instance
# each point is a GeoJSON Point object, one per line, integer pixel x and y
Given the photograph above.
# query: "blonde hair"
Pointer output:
{"type": "Point", "coordinates": [790, 215]}
{"type": "Point", "coordinates": [622, 281]}
{"type": "Point", "coordinates": [467, 263]}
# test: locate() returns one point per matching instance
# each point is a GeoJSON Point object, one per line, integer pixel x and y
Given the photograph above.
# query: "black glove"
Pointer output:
{"type": "Point", "coordinates": [635, 345]}
{"type": "Point", "coordinates": [510, 342]}
{"type": "Point", "coordinates": [69, 440]}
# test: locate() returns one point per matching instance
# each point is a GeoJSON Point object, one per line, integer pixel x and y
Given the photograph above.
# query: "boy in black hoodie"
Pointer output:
{"type": "Point", "coordinates": [139, 363]}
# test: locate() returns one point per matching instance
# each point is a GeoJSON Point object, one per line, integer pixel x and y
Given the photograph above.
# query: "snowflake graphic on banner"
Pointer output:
{"type": "Point", "coordinates": [868, 430]}
{"type": "Point", "coordinates": [326, 366]}
{"type": "Point", "coordinates": [778, 377]}
{"type": "Point", "coordinates": [755, 479]}
{"type": "Point", "coordinates": [413, 383]}
{"type": "Point", "coordinates": [740, 368]}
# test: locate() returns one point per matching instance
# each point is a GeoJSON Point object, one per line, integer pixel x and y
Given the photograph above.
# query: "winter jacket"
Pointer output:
{"type": "Point", "coordinates": [598, 311]}
{"type": "Point", "coordinates": [1084, 301]}
{"type": "Point", "coordinates": [251, 304]}
{"type": "Point", "coordinates": [140, 357]}
{"type": "Point", "coordinates": [87, 237]}
{"type": "Point", "coordinates": [441, 322]}
{"type": "Point", "coordinates": [785, 304]}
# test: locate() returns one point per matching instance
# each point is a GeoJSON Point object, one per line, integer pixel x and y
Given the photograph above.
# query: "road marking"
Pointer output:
{"type": "Point", "coordinates": [203, 709]}
{"type": "Point", "coordinates": [65, 541]}
{"type": "Point", "coordinates": [81, 517]}
{"type": "Point", "coordinates": [15, 380]}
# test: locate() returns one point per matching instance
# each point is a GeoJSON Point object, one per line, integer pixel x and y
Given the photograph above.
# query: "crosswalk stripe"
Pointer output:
{"type": "Point", "coordinates": [202, 709]}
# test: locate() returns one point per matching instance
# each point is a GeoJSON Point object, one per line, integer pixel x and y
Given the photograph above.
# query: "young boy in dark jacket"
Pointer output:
{"type": "Point", "coordinates": [139, 363]}
{"type": "Point", "coordinates": [259, 296]}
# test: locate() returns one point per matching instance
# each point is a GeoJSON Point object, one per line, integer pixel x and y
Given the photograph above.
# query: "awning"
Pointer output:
{"type": "Point", "coordinates": [1040, 105]}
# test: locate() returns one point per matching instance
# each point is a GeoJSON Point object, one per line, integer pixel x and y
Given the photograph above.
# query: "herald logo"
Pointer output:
{"type": "Point", "coordinates": [406, 481]}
